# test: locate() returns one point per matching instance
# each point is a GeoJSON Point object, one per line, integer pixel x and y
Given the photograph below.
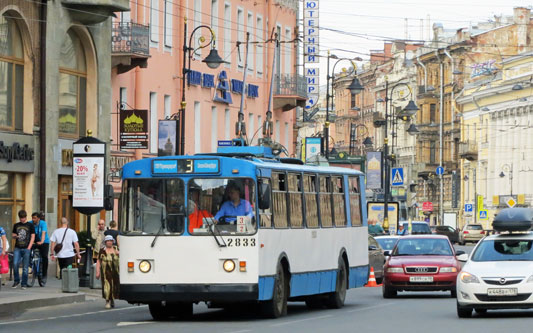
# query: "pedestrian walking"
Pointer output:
{"type": "Point", "coordinates": [107, 267]}
{"type": "Point", "coordinates": [4, 259]}
{"type": "Point", "coordinates": [113, 231]}
{"type": "Point", "coordinates": [42, 242]}
{"type": "Point", "coordinates": [24, 233]}
{"type": "Point", "coordinates": [65, 246]}
{"type": "Point", "coordinates": [98, 235]}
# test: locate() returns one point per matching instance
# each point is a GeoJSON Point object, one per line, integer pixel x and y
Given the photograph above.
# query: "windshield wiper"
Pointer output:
{"type": "Point", "coordinates": [163, 219]}
{"type": "Point", "coordinates": [223, 244]}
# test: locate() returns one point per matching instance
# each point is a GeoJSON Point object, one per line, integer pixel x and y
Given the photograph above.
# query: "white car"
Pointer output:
{"type": "Point", "coordinates": [499, 272]}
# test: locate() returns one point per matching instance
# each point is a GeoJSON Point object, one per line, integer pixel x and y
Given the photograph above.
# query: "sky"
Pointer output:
{"type": "Point", "coordinates": [371, 20]}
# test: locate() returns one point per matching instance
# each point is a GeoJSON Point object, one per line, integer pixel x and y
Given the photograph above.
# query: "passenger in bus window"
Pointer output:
{"type": "Point", "coordinates": [234, 207]}
{"type": "Point", "coordinates": [198, 214]}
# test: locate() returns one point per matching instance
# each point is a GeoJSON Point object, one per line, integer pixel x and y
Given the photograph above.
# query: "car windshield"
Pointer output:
{"type": "Point", "coordinates": [386, 243]}
{"type": "Point", "coordinates": [504, 250]}
{"type": "Point", "coordinates": [153, 206]}
{"type": "Point", "coordinates": [228, 203]}
{"type": "Point", "coordinates": [422, 246]}
{"type": "Point", "coordinates": [474, 227]}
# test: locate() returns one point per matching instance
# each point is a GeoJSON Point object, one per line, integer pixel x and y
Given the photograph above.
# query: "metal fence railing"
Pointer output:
{"type": "Point", "coordinates": [290, 84]}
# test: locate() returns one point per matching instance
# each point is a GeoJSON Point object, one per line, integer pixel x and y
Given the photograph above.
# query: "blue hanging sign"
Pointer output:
{"type": "Point", "coordinates": [222, 93]}
{"type": "Point", "coordinates": [236, 86]}
{"type": "Point", "coordinates": [253, 91]}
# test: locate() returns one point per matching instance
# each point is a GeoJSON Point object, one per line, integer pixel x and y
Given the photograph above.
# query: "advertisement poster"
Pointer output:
{"type": "Point", "coordinates": [313, 147]}
{"type": "Point", "coordinates": [88, 182]}
{"type": "Point", "coordinates": [373, 170]}
{"type": "Point", "coordinates": [375, 211]}
{"type": "Point", "coordinates": [133, 129]}
{"type": "Point", "coordinates": [167, 138]}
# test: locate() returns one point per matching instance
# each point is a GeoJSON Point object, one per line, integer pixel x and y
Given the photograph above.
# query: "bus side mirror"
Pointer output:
{"type": "Point", "coordinates": [264, 196]}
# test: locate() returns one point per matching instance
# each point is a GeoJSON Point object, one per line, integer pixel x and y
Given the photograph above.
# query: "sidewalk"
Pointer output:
{"type": "Point", "coordinates": [14, 301]}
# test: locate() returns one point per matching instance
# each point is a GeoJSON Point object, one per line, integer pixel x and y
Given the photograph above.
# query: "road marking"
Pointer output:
{"type": "Point", "coordinates": [241, 331]}
{"type": "Point", "coordinates": [72, 315]}
{"type": "Point", "coordinates": [372, 307]}
{"type": "Point", "coordinates": [299, 321]}
{"type": "Point", "coordinates": [130, 323]}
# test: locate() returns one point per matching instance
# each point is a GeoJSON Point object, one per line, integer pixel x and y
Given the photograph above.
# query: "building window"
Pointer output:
{"type": "Point", "coordinates": [168, 23]}
{"type": "Point", "coordinates": [154, 21]}
{"type": "Point", "coordinates": [11, 75]}
{"type": "Point", "coordinates": [432, 112]}
{"type": "Point", "coordinates": [11, 199]}
{"type": "Point", "coordinates": [259, 46]}
{"type": "Point", "coordinates": [197, 128]}
{"type": "Point", "coordinates": [214, 129]}
{"type": "Point", "coordinates": [167, 107]}
{"type": "Point", "coordinates": [240, 37]}
{"type": "Point", "coordinates": [227, 34]}
{"type": "Point", "coordinates": [123, 95]}
{"type": "Point", "coordinates": [286, 139]}
{"type": "Point", "coordinates": [72, 87]}
{"type": "Point", "coordinates": [352, 101]}
{"type": "Point", "coordinates": [250, 30]}
{"type": "Point", "coordinates": [277, 131]}
{"type": "Point", "coordinates": [432, 151]}
{"type": "Point", "coordinates": [260, 126]}
{"type": "Point", "coordinates": [288, 51]}
{"type": "Point", "coordinates": [153, 123]}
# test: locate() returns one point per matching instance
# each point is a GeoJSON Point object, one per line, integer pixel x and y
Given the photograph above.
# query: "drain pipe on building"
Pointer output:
{"type": "Point", "coordinates": [42, 106]}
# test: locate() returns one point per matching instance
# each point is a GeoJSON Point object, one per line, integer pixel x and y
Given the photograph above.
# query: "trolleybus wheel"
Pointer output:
{"type": "Point", "coordinates": [277, 306]}
{"type": "Point", "coordinates": [336, 299]}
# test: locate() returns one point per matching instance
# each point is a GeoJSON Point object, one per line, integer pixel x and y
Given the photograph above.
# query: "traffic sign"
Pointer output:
{"type": "Point", "coordinates": [427, 206]}
{"type": "Point", "coordinates": [483, 214]}
{"type": "Point", "coordinates": [469, 208]}
{"type": "Point", "coordinates": [439, 171]}
{"type": "Point", "coordinates": [397, 176]}
{"type": "Point", "coordinates": [510, 202]}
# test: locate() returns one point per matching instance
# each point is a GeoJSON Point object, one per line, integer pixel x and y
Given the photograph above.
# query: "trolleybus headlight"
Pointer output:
{"type": "Point", "coordinates": [145, 266]}
{"type": "Point", "coordinates": [229, 265]}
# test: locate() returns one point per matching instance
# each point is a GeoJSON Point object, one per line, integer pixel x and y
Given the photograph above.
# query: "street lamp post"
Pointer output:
{"type": "Point", "coordinates": [408, 111]}
{"type": "Point", "coordinates": [366, 142]}
{"type": "Point", "coordinates": [509, 169]}
{"type": "Point", "coordinates": [355, 87]}
{"type": "Point", "coordinates": [213, 60]}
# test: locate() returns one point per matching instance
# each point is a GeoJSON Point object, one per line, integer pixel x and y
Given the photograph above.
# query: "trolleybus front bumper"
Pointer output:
{"type": "Point", "coordinates": [146, 293]}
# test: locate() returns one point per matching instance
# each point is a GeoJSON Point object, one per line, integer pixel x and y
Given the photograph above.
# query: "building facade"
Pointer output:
{"type": "Point", "coordinates": [55, 62]}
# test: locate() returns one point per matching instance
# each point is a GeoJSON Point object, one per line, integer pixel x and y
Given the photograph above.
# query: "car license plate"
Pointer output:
{"type": "Point", "coordinates": [502, 292]}
{"type": "Point", "coordinates": [421, 279]}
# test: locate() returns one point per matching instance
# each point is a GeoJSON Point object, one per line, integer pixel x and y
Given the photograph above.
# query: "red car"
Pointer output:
{"type": "Point", "coordinates": [421, 263]}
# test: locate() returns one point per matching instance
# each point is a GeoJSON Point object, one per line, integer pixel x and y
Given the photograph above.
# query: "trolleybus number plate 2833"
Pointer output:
{"type": "Point", "coordinates": [237, 242]}
{"type": "Point", "coordinates": [502, 292]}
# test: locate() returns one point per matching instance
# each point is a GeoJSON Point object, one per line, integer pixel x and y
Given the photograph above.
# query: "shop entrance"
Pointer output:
{"type": "Point", "coordinates": [65, 204]}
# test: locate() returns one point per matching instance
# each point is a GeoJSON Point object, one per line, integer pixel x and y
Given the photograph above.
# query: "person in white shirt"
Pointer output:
{"type": "Point", "coordinates": [69, 240]}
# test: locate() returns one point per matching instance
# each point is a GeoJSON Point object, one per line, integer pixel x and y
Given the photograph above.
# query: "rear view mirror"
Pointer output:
{"type": "Point", "coordinates": [372, 248]}
{"type": "Point", "coordinates": [264, 196]}
{"type": "Point", "coordinates": [462, 257]}
{"type": "Point", "coordinates": [386, 253]}
{"type": "Point", "coordinates": [458, 253]}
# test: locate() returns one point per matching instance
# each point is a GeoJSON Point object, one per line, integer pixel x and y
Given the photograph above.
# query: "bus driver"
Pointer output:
{"type": "Point", "coordinates": [235, 206]}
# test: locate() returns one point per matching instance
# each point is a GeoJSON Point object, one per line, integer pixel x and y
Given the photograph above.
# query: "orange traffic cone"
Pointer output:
{"type": "Point", "coordinates": [371, 279]}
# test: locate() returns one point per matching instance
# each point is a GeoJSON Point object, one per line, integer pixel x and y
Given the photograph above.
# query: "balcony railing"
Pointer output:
{"type": "Point", "coordinates": [290, 85]}
{"type": "Point", "coordinates": [468, 150]}
{"type": "Point", "coordinates": [130, 38]}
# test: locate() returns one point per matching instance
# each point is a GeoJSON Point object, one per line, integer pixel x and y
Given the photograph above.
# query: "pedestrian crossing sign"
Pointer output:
{"type": "Point", "coordinates": [397, 176]}
{"type": "Point", "coordinates": [483, 214]}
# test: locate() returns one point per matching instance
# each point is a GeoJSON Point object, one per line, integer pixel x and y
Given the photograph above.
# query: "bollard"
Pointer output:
{"type": "Point", "coordinates": [70, 282]}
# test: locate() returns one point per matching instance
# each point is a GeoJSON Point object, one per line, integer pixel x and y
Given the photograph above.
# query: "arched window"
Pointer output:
{"type": "Point", "coordinates": [72, 87]}
{"type": "Point", "coordinates": [11, 74]}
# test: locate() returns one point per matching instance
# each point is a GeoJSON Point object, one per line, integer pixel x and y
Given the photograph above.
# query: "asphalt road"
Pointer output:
{"type": "Point", "coordinates": [365, 311]}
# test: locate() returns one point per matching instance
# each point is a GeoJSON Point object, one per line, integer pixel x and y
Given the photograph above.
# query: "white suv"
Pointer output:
{"type": "Point", "coordinates": [499, 272]}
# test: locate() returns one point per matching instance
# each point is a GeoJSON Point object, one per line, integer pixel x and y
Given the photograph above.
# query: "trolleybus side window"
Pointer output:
{"type": "Point", "coordinates": [279, 199]}
{"type": "Point", "coordinates": [311, 206]}
{"type": "Point", "coordinates": [338, 201]}
{"type": "Point", "coordinates": [355, 201]}
{"type": "Point", "coordinates": [325, 202]}
{"type": "Point", "coordinates": [295, 200]}
{"type": "Point", "coordinates": [265, 215]}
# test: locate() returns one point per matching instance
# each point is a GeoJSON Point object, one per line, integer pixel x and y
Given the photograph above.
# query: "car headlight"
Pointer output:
{"type": "Point", "coordinates": [229, 265]}
{"type": "Point", "coordinates": [145, 266]}
{"type": "Point", "coordinates": [395, 270]}
{"type": "Point", "coordinates": [448, 270]}
{"type": "Point", "coordinates": [468, 278]}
